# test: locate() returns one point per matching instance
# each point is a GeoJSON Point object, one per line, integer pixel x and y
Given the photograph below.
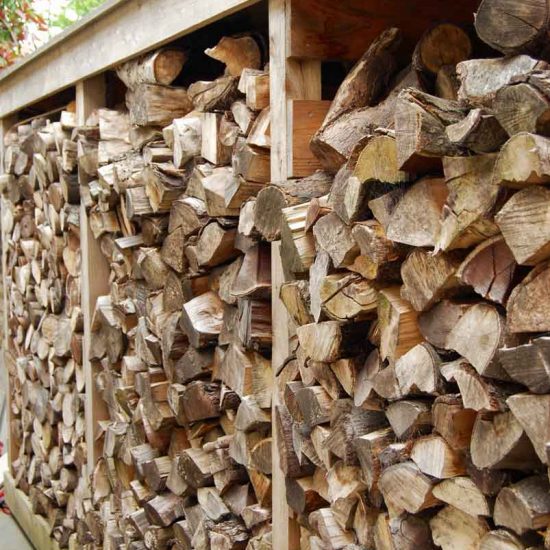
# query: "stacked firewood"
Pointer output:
{"type": "Point", "coordinates": [415, 405]}
{"type": "Point", "coordinates": [181, 344]}
{"type": "Point", "coordinates": [41, 223]}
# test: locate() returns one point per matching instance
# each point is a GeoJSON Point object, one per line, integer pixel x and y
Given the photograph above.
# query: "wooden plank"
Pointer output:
{"type": "Point", "coordinates": [306, 118]}
{"type": "Point", "coordinates": [90, 94]}
{"type": "Point", "coordinates": [105, 40]}
{"type": "Point", "coordinates": [286, 531]}
{"type": "Point", "coordinates": [13, 445]}
{"type": "Point", "coordinates": [324, 29]}
{"type": "Point", "coordinates": [289, 79]}
{"type": "Point", "coordinates": [35, 527]}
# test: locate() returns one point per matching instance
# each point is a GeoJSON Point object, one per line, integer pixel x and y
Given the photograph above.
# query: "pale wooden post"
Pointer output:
{"type": "Point", "coordinates": [289, 80]}
{"type": "Point", "coordinates": [90, 95]}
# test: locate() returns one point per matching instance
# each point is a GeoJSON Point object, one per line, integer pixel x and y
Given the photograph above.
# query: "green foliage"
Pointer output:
{"type": "Point", "coordinates": [15, 16]}
{"type": "Point", "coordinates": [80, 7]}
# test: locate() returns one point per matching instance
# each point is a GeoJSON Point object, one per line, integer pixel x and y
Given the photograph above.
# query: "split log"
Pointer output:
{"type": "Point", "coordinates": [155, 105]}
{"type": "Point", "coordinates": [527, 306]}
{"type": "Point", "coordinates": [490, 270]}
{"type": "Point", "coordinates": [453, 529]}
{"type": "Point", "coordinates": [237, 53]}
{"type": "Point", "coordinates": [529, 364]}
{"type": "Point", "coordinates": [442, 45]}
{"type": "Point", "coordinates": [523, 506]}
{"type": "Point", "coordinates": [512, 28]}
{"type": "Point", "coordinates": [416, 218]}
{"type": "Point", "coordinates": [420, 123]}
{"type": "Point", "coordinates": [481, 79]}
{"type": "Point", "coordinates": [160, 67]}
{"type": "Point", "coordinates": [467, 214]}
{"type": "Point", "coordinates": [522, 221]}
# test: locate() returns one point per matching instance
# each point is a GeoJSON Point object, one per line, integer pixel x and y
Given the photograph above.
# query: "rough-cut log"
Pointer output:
{"type": "Point", "coordinates": [409, 418]}
{"type": "Point", "coordinates": [369, 78]}
{"type": "Point", "coordinates": [500, 539]}
{"type": "Point", "coordinates": [524, 506]}
{"type": "Point", "coordinates": [333, 236]}
{"type": "Point", "coordinates": [522, 161]}
{"type": "Point", "coordinates": [155, 105]}
{"type": "Point", "coordinates": [160, 67]}
{"type": "Point", "coordinates": [481, 79]}
{"type": "Point", "coordinates": [477, 393]}
{"type": "Point", "coordinates": [436, 458]}
{"type": "Point", "coordinates": [416, 218]}
{"type": "Point", "coordinates": [406, 488]}
{"type": "Point", "coordinates": [462, 493]}
{"type": "Point", "coordinates": [524, 106]}
{"type": "Point", "coordinates": [331, 340]}
{"type": "Point", "coordinates": [529, 364]}
{"type": "Point", "coordinates": [523, 222]}
{"type": "Point", "coordinates": [397, 324]}
{"type": "Point", "coordinates": [467, 214]}
{"type": "Point", "coordinates": [479, 132]}
{"type": "Point", "coordinates": [202, 319]}
{"type": "Point", "coordinates": [441, 45]}
{"type": "Point", "coordinates": [348, 297]}
{"type": "Point", "coordinates": [532, 412]}
{"type": "Point", "coordinates": [420, 122]}
{"type": "Point", "coordinates": [453, 529]}
{"type": "Point", "coordinates": [237, 53]}
{"type": "Point", "coordinates": [335, 144]}
{"type": "Point", "coordinates": [512, 27]}
{"type": "Point", "coordinates": [417, 371]}
{"type": "Point", "coordinates": [528, 308]}
{"type": "Point", "coordinates": [490, 270]}
{"type": "Point", "coordinates": [500, 443]}
{"type": "Point", "coordinates": [272, 199]}
{"type": "Point", "coordinates": [187, 136]}
{"type": "Point", "coordinates": [217, 95]}
{"type": "Point", "coordinates": [477, 336]}
{"type": "Point", "coordinates": [427, 278]}
{"type": "Point", "coordinates": [436, 324]}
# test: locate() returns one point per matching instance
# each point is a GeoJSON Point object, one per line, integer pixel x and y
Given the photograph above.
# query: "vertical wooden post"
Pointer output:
{"type": "Point", "coordinates": [289, 79]}
{"type": "Point", "coordinates": [90, 95]}
{"type": "Point", "coordinates": [5, 124]}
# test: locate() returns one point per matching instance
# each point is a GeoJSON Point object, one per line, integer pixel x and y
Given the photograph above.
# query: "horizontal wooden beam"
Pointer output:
{"type": "Point", "coordinates": [324, 29]}
{"type": "Point", "coordinates": [35, 527]}
{"type": "Point", "coordinates": [118, 31]}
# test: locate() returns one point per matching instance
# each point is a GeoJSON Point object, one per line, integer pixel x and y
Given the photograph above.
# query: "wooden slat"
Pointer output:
{"type": "Point", "coordinates": [286, 532]}
{"type": "Point", "coordinates": [121, 30]}
{"type": "Point", "coordinates": [35, 527]}
{"type": "Point", "coordinates": [5, 125]}
{"type": "Point", "coordinates": [306, 118]}
{"type": "Point", "coordinates": [90, 94]}
{"type": "Point", "coordinates": [289, 79]}
{"type": "Point", "coordinates": [324, 29]}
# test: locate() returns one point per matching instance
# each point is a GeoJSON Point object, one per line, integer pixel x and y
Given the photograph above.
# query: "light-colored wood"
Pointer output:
{"type": "Point", "coordinates": [289, 79]}
{"type": "Point", "coordinates": [286, 534]}
{"type": "Point", "coordinates": [5, 125]}
{"type": "Point", "coordinates": [35, 527]}
{"type": "Point", "coordinates": [306, 117]}
{"type": "Point", "coordinates": [90, 95]}
{"type": "Point", "coordinates": [104, 39]}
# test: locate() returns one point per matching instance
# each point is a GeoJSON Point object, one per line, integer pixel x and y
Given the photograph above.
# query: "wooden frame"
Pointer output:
{"type": "Point", "coordinates": [90, 95]}
{"type": "Point", "coordinates": [100, 41]}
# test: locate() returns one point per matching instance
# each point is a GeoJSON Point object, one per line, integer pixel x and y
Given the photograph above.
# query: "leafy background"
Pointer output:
{"type": "Point", "coordinates": [28, 24]}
